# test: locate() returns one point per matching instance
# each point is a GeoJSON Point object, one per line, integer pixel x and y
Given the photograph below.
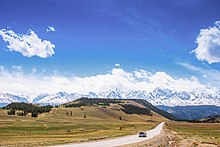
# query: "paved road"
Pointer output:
{"type": "Point", "coordinates": [119, 141]}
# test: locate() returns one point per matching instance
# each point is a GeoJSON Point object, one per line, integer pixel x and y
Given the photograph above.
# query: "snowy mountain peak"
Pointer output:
{"type": "Point", "coordinates": [114, 93]}
{"type": "Point", "coordinates": [9, 98]}
{"type": "Point", "coordinates": [39, 97]}
{"type": "Point", "coordinates": [62, 94]}
{"type": "Point", "coordinates": [54, 99]}
{"type": "Point", "coordinates": [158, 96]}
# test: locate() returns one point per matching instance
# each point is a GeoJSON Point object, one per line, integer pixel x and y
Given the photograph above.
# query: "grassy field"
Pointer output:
{"type": "Point", "coordinates": [197, 133]}
{"type": "Point", "coordinates": [57, 127]}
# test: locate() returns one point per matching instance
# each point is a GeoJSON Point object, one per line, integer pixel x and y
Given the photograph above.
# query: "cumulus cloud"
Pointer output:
{"type": "Point", "coordinates": [117, 65]}
{"type": "Point", "coordinates": [27, 44]}
{"type": "Point", "coordinates": [211, 75]}
{"type": "Point", "coordinates": [50, 28]}
{"type": "Point", "coordinates": [34, 84]}
{"type": "Point", "coordinates": [208, 41]}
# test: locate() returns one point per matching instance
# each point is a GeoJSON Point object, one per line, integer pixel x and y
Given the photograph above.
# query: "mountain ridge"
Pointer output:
{"type": "Point", "coordinates": [157, 97]}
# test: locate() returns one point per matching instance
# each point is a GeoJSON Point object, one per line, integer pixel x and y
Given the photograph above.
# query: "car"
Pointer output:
{"type": "Point", "coordinates": [142, 134]}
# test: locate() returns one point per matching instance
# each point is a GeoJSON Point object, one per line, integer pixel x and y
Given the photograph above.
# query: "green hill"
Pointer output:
{"type": "Point", "coordinates": [144, 107]}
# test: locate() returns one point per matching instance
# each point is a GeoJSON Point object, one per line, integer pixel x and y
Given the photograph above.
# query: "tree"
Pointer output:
{"type": "Point", "coordinates": [11, 112]}
{"type": "Point", "coordinates": [21, 114]}
{"type": "Point", "coordinates": [34, 114]}
{"type": "Point", "coordinates": [25, 108]}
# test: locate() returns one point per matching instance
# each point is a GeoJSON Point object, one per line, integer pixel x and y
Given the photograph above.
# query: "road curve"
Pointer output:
{"type": "Point", "coordinates": [119, 141]}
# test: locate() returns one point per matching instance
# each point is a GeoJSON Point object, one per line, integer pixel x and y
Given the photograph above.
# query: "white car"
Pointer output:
{"type": "Point", "coordinates": [142, 134]}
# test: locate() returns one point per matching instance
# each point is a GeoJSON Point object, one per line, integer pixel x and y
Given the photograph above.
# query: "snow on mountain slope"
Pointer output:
{"type": "Point", "coordinates": [113, 93]}
{"type": "Point", "coordinates": [9, 98]}
{"type": "Point", "coordinates": [158, 96]}
{"type": "Point", "coordinates": [57, 98]}
{"type": "Point", "coordinates": [72, 97]}
{"type": "Point", "coordinates": [167, 97]}
{"type": "Point", "coordinates": [40, 97]}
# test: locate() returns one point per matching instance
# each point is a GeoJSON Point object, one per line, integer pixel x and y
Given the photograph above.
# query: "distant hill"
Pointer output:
{"type": "Point", "coordinates": [192, 112]}
{"type": "Point", "coordinates": [129, 106]}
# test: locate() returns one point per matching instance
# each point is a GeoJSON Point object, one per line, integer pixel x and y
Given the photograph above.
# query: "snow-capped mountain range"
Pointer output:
{"type": "Point", "coordinates": [157, 97]}
{"type": "Point", "coordinates": [6, 98]}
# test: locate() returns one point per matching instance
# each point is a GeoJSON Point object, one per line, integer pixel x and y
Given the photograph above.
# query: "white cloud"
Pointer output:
{"type": "Point", "coordinates": [142, 74]}
{"type": "Point", "coordinates": [50, 28]}
{"type": "Point", "coordinates": [211, 75]}
{"type": "Point", "coordinates": [117, 65]}
{"type": "Point", "coordinates": [34, 84]}
{"type": "Point", "coordinates": [208, 41]}
{"type": "Point", "coordinates": [28, 44]}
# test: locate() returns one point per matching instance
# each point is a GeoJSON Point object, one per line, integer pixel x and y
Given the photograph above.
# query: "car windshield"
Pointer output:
{"type": "Point", "coordinates": [141, 133]}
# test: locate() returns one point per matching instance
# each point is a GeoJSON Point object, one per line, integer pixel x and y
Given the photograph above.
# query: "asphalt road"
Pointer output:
{"type": "Point", "coordinates": [119, 141]}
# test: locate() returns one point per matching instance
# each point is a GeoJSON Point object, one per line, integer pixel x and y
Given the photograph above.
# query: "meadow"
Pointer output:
{"type": "Point", "coordinates": [68, 125]}
{"type": "Point", "coordinates": [196, 133]}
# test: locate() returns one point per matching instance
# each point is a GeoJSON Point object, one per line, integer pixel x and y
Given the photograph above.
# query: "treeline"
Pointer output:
{"type": "Point", "coordinates": [91, 102]}
{"type": "Point", "coordinates": [210, 119]}
{"type": "Point", "coordinates": [131, 109]}
{"type": "Point", "coordinates": [22, 109]}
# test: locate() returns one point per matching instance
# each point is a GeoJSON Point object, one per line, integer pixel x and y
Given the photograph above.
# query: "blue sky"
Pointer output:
{"type": "Point", "coordinates": [91, 36]}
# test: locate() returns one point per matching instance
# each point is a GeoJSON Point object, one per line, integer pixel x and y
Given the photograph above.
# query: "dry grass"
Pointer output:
{"type": "Point", "coordinates": [57, 127]}
{"type": "Point", "coordinates": [196, 134]}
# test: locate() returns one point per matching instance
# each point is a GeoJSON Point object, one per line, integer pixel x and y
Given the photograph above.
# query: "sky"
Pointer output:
{"type": "Point", "coordinates": [47, 46]}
